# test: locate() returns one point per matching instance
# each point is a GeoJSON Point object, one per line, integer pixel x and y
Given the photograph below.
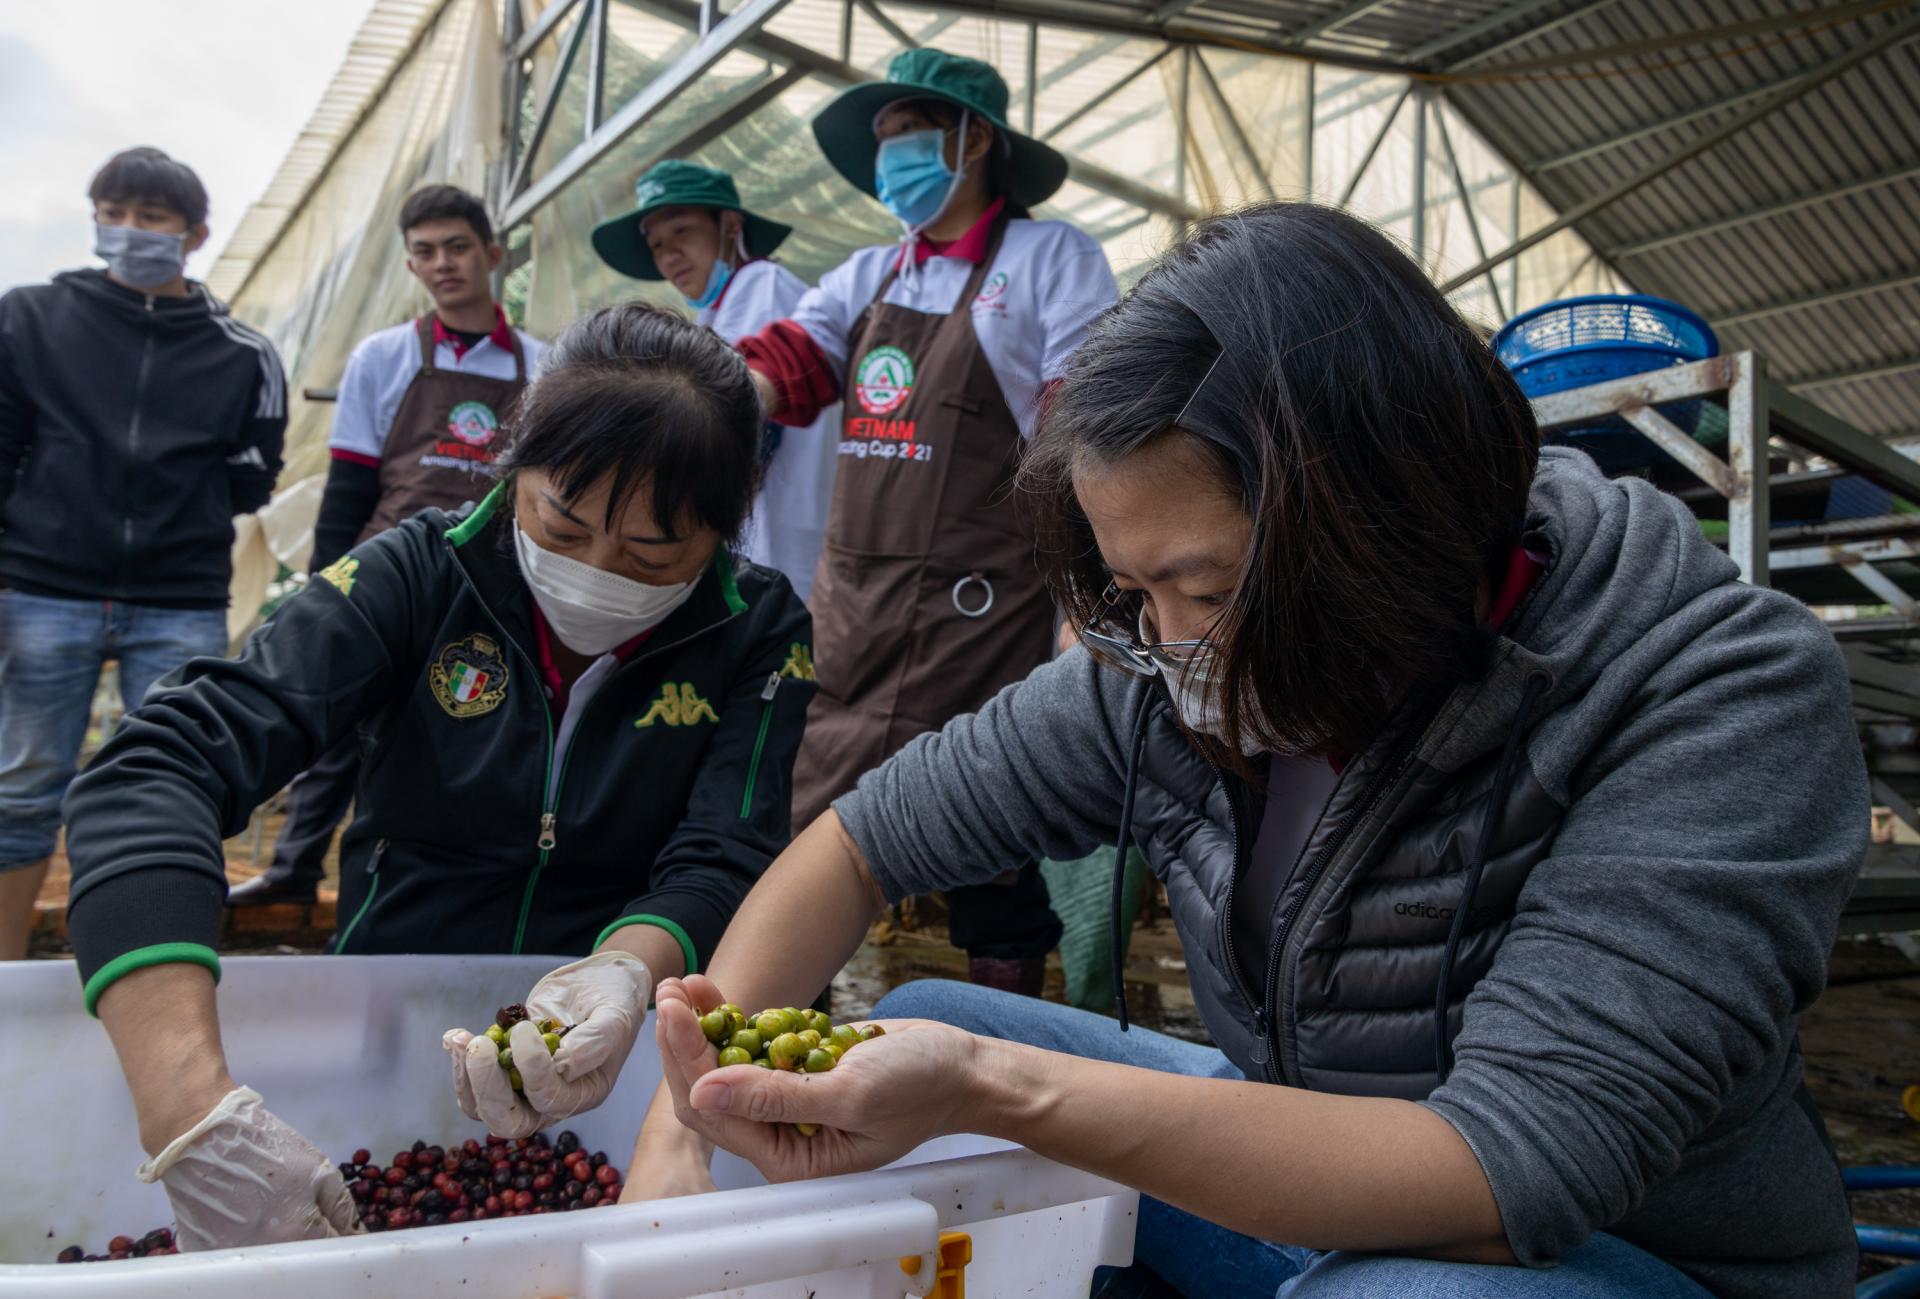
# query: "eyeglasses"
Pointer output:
{"type": "Point", "coordinates": [1119, 634]}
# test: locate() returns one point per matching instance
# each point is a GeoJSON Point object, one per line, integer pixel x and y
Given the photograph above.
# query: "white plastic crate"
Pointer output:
{"type": "Point", "coordinates": [347, 1049]}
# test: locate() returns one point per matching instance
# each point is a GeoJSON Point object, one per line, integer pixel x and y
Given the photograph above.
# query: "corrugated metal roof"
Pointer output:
{"type": "Point", "coordinates": [1823, 290]}
{"type": "Point", "coordinates": [389, 30]}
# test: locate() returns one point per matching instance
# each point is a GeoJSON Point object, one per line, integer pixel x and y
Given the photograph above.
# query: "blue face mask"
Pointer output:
{"type": "Point", "coordinates": [716, 284]}
{"type": "Point", "coordinates": [912, 176]}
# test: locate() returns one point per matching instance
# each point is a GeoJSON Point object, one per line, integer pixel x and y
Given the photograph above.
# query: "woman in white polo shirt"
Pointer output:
{"type": "Point", "coordinates": [690, 229]}
{"type": "Point", "coordinates": [928, 600]}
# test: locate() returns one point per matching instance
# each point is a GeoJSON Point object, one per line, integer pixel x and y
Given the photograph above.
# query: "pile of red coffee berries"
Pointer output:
{"type": "Point", "coordinates": [783, 1038]}
{"type": "Point", "coordinates": [497, 1178]}
{"type": "Point", "coordinates": [430, 1185]}
{"type": "Point", "coordinates": [157, 1241]}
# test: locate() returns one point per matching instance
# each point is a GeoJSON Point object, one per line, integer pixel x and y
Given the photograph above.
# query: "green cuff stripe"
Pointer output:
{"type": "Point", "coordinates": [661, 922]}
{"type": "Point", "coordinates": [142, 957]}
{"type": "Point", "coordinates": [463, 532]}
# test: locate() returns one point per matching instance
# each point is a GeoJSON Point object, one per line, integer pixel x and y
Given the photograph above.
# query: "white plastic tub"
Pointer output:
{"type": "Point", "coordinates": [347, 1049]}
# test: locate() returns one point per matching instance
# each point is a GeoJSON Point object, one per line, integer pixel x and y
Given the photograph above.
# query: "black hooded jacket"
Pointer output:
{"type": "Point", "coordinates": [133, 428]}
{"type": "Point", "coordinates": [471, 833]}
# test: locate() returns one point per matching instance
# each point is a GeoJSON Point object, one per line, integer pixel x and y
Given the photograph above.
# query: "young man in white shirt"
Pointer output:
{"type": "Point", "coordinates": [418, 424]}
{"type": "Point", "coordinates": [690, 229]}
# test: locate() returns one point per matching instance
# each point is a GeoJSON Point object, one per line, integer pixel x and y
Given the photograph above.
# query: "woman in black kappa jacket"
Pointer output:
{"type": "Point", "coordinates": [578, 715]}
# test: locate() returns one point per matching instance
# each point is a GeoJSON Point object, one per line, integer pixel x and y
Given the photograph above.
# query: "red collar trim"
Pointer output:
{"type": "Point", "coordinates": [969, 247]}
{"type": "Point", "coordinates": [501, 337]}
{"type": "Point", "coordinates": [557, 688]}
{"type": "Point", "coordinates": [1523, 567]}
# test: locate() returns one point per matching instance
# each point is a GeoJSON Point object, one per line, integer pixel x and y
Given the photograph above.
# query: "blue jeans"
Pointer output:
{"type": "Point", "coordinates": [1178, 1254]}
{"type": "Point", "coordinates": [51, 653]}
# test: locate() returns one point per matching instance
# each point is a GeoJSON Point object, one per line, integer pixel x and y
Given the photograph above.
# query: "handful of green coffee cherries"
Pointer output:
{"type": "Point", "coordinates": [803, 1041]}
{"type": "Point", "coordinates": [551, 1031]}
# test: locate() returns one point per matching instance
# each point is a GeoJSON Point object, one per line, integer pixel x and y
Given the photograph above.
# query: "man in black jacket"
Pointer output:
{"type": "Point", "coordinates": [137, 418]}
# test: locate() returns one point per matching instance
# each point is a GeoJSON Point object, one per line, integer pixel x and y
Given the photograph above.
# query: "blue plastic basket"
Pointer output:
{"type": "Point", "coordinates": [1580, 341]}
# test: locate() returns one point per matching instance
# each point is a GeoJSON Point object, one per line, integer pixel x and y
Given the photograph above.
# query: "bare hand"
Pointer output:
{"type": "Point", "coordinates": [885, 1098]}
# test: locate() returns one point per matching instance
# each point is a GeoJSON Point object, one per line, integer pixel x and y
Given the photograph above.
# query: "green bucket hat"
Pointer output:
{"type": "Point", "coordinates": [623, 246]}
{"type": "Point", "coordinates": [844, 128]}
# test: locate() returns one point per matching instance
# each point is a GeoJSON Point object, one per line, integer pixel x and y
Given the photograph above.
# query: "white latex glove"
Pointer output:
{"type": "Point", "coordinates": [242, 1177]}
{"type": "Point", "coordinates": [604, 997]}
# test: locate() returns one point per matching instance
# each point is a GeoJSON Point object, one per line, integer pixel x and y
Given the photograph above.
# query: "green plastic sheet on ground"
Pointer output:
{"type": "Point", "coordinates": [1081, 892]}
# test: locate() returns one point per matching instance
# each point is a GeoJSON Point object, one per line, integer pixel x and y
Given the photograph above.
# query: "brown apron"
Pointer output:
{"type": "Point", "coordinates": [927, 599]}
{"type": "Point", "coordinates": [445, 437]}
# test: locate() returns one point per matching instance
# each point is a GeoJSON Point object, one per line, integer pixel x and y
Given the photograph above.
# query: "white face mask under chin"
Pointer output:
{"type": "Point", "coordinates": [588, 608]}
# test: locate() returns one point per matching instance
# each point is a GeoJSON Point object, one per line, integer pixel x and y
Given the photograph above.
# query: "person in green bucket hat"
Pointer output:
{"type": "Point", "coordinates": [927, 599]}
{"type": "Point", "coordinates": [691, 230]}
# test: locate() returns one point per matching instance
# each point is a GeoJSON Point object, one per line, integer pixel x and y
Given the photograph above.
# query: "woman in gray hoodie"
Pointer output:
{"type": "Point", "coordinates": [1505, 829]}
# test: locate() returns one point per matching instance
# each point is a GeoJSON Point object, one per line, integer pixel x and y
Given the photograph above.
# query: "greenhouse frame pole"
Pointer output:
{"type": "Point", "coordinates": [726, 36]}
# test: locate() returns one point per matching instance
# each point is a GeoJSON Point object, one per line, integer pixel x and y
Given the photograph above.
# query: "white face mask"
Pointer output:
{"type": "Point", "coordinates": [1200, 712]}
{"type": "Point", "coordinates": [590, 609]}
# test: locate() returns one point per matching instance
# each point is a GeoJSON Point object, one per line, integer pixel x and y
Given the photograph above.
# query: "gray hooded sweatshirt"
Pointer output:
{"type": "Point", "coordinates": [1684, 813]}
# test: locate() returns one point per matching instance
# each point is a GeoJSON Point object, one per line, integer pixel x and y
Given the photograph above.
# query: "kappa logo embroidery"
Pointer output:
{"type": "Point", "coordinates": [883, 380]}
{"type": "Point", "coordinates": [678, 705]}
{"type": "Point", "coordinates": [799, 664]}
{"type": "Point", "coordinates": [340, 573]}
{"type": "Point", "coordinates": [473, 422]}
{"type": "Point", "coordinates": [469, 677]}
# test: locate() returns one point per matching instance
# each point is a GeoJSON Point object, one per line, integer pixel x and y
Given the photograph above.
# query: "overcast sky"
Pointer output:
{"type": "Point", "coordinates": [223, 85]}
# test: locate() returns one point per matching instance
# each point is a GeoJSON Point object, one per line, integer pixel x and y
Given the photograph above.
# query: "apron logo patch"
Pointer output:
{"type": "Point", "coordinates": [340, 573]}
{"type": "Point", "coordinates": [469, 677]}
{"type": "Point", "coordinates": [473, 422]}
{"type": "Point", "coordinates": [883, 380]}
{"type": "Point", "coordinates": [799, 664]}
{"type": "Point", "coordinates": [678, 705]}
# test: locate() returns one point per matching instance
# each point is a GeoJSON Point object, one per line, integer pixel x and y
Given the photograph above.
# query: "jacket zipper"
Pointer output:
{"type": "Point", "coordinates": [760, 741]}
{"type": "Point", "coordinates": [549, 837]}
{"type": "Point", "coordinates": [373, 887]}
{"type": "Point", "coordinates": [133, 453]}
{"type": "Point", "coordinates": [1226, 926]}
{"type": "Point", "coordinates": [1370, 796]}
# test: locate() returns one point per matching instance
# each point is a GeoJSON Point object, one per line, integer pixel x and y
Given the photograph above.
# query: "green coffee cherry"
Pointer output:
{"type": "Point", "coordinates": [764, 1063]}
{"type": "Point", "coordinates": [769, 1024]}
{"type": "Point", "coordinates": [818, 1061]}
{"type": "Point", "coordinates": [845, 1035]}
{"type": "Point", "coordinates": [714, 1025]}
{"type": "Point", "coordinates": [506, 1059]}
{"type": "Point", "coordinates": [786, 1051]}
{"type": "Point", "coordinates": [806, 1129]}
{"type": "Point", "coordinates": [513, 1076]}
{"type": "Point", "coordinates": [817, 1020]}
{"type": "Point", "coordinates": [872, 1031]}
{"type": "Point", "coordinates": [552, 1040]}
{"type": "Point", "coordinates": [833, 1049]}
{"type": "Point", "coordinates": [496, 1035]}
{"type": "Point", "coordinates": [810, 1036]}
{"type": "Point", "coordinates": [748, 1040]}
{"type": "Point", "coordinates": [734, 1055]}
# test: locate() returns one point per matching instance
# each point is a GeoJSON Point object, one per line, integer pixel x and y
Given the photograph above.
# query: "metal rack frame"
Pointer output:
{"type": "Point", "coordinates": [1882, 654]}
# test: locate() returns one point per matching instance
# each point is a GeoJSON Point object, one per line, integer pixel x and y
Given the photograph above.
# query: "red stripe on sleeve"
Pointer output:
{"type": "Point", "coordinates": [802, 375]}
